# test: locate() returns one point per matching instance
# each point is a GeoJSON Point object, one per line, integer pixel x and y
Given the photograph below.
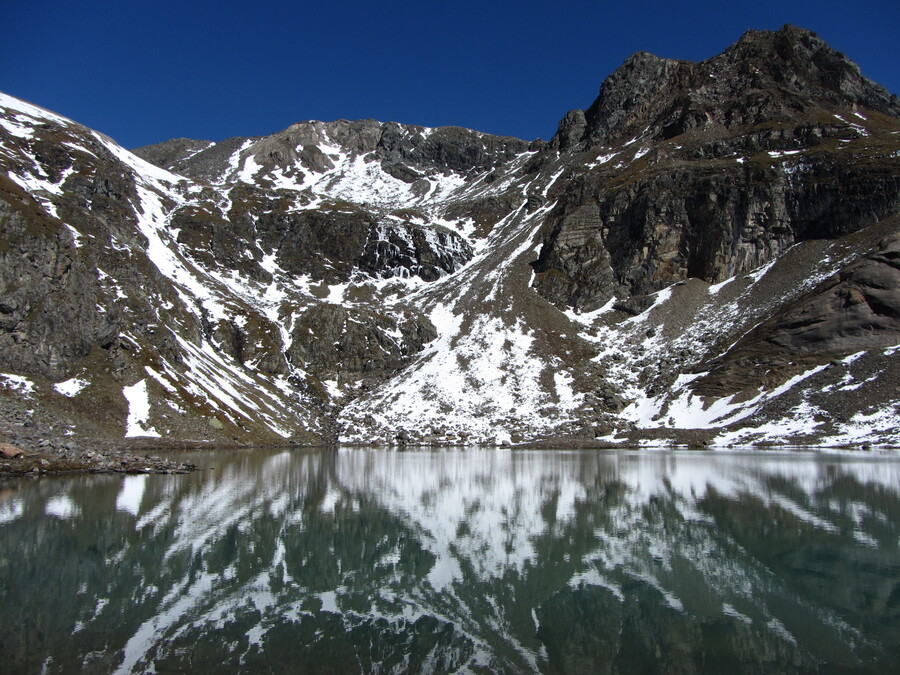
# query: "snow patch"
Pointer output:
{"type": "Point", "coordinates": [138, 410]}
{"type": "Point", "coordinates": [17, 383]}
{"type": "Point", "coordinates": [660, 298]}
{"type": "Point", "coordinates": [588, 318]}
{"type": "Point", "coordinates": [71, 387]}
{"type": "Point", "coordinates": [331, 386]}
{"type": "Point", "coordinates": [715, 288]}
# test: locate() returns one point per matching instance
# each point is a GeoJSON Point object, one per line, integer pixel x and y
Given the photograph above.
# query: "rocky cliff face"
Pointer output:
{"type": "Point", "coordinates": [708, 170]}
{"type": "Point", "coordinates": [706, 254]}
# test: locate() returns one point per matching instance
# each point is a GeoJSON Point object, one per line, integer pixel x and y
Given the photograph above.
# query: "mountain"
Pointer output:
{"type": "Point", "coordinates": [708, 254]}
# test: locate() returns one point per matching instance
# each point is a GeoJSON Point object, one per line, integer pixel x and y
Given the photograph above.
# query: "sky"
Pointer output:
{"type": "Point", "coordinates": [146, 71]}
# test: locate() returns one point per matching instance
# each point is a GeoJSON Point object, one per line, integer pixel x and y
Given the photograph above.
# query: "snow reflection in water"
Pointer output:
{"type": "Point", "coordinates": [384, 561]}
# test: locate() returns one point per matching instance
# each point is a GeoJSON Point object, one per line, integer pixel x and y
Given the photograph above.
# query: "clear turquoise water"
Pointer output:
{"type": "Point", "coordinates": [458, 561]}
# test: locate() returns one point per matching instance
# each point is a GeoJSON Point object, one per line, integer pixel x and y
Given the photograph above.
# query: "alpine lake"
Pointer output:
{"type": "Point", "coordinates": [458, 560]}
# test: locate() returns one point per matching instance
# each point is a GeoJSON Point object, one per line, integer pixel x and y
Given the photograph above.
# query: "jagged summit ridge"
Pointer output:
{"type": "Point", "coordinates": [375, 282]}
{"type": "Point", "coordinates": [290, 158]}
{"type": "Point", "coordinates": [765, 76]}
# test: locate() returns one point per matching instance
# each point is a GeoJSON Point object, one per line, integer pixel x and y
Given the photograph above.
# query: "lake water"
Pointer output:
{"type": "Point", "coordinates": [458, 561]}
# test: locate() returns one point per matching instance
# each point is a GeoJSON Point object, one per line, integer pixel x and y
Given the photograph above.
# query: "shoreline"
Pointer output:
{"type": "Point", "coordinates": [136, 456]}
{"type": "Point", "coordinates": [16, 462]}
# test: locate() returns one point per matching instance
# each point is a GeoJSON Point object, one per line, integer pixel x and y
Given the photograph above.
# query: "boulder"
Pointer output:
{"type": "Point", "coordinates": [10, 451]}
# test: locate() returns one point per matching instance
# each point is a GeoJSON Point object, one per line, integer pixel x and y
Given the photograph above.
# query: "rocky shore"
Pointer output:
{"type": "Point", "coordinates": [32, 445]}
{"type": "Point", "coordinates": [14, 461]}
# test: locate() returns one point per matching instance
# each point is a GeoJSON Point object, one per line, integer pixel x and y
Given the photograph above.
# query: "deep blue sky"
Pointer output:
{"type": "Point", "coordinates": [145, 71]}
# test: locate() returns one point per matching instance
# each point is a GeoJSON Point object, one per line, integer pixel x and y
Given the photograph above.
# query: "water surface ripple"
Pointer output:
{"type": "Point", "coordinates": [378, 561]}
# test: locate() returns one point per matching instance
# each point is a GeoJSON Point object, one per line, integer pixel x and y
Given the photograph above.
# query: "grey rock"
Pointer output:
{"type": "Point", "coordinates": [855, 310]}
{"type": "Point", "coordinates": [169, 153]}
{"type": "Point", "coordinates": [329, 341]}
{"type": "Point", "coordinates": [764, 77]}
{"type": "Point", "coordinates": [609, 238]}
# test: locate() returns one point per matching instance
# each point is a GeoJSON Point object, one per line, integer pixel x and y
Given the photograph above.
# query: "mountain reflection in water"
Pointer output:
{"type": "Point", "coordinates": [458, 560]}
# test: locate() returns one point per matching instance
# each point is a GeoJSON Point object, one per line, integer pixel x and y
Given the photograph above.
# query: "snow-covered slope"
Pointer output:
{"type": "Point", "coordinates": [734, 282]}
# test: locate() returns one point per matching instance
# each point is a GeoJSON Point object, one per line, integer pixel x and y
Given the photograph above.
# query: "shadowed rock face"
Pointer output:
{"type": "Point", "coordinates": [855, 310]}
{"type": "Point", "coordinates": [48, 319]}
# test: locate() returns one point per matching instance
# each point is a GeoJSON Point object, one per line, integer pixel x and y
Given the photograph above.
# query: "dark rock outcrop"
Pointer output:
{"type": "Point", "coordinates": [331, 341]}
{"type": "Point", "coordinates": [855, 310]}
{"type": "Point", "coordinates": [407, 250]}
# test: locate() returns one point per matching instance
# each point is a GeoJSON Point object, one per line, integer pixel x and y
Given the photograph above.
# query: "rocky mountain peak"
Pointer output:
{"type": "Point", "coordinates": [800, 63]}
{"type": "Point", "coordinates": [635, 89]}
{"type": "Point", "coordinates": [406, 152]}
{"type": "Point", "coordinates": [764, 76]}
